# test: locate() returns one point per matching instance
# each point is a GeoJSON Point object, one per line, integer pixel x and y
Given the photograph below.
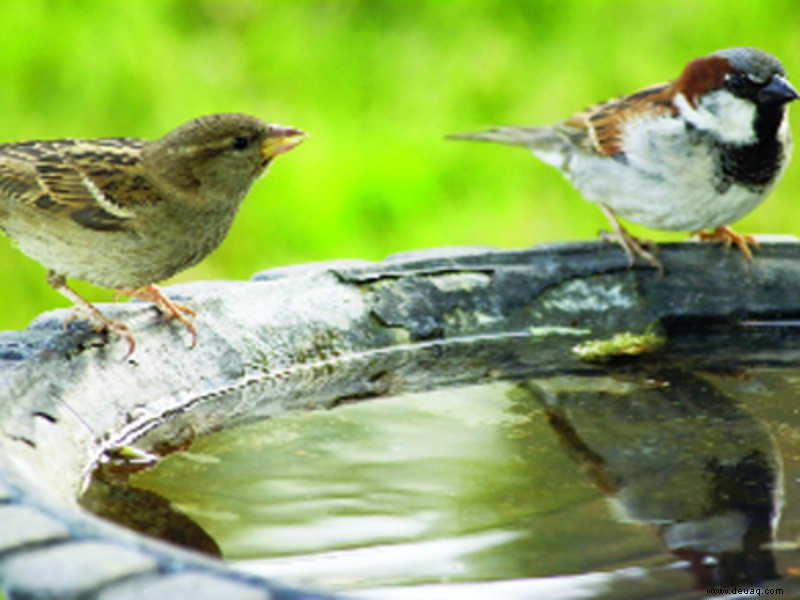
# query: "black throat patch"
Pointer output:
{"type": "Point", "coordinates": [754, 166]}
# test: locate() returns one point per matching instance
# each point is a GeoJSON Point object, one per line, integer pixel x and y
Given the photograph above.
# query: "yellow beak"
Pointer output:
{"type": "Point", "coordinates": [281, 139]}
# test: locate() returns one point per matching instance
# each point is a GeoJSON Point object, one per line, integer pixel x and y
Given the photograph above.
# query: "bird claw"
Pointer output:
{"type": "Point", "coordinates": [633, 247]}
{"type": "Point", "coordinates": [83, 308]}
{"type": "Point", "coordinates": [729, 237]}
{"type": "Point", "coordinates": [116, 328]}
{"type": "Point", "coordinates": [168, 308]}
{"type": "Point", "coordinates": [101, 324]}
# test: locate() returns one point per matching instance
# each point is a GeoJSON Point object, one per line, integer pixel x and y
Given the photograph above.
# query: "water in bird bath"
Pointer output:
{"type": "Point", "coordinates": [646, 485]}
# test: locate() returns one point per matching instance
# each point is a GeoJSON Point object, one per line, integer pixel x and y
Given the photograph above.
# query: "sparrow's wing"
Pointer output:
{"type": "Point", "coordinates": [598, 129]}
{"type": "Point", "coordinates": [94, 182]}
{"type": "Point", "coordinates": [17, 181]}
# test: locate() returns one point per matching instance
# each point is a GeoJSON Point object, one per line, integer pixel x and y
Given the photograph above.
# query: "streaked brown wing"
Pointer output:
{"type": "Point", "coordinates": [93, 182]}
{"type": "Point", "coordinates": [598, 128]}
{"type": "Point", "coordinates": [17, 179]}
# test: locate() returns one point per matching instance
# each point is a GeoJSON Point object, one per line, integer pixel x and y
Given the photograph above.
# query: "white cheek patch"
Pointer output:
{"type": "Point", "coordinates": [722, 114]}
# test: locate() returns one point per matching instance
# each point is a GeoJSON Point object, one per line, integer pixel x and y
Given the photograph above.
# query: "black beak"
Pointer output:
{"type": "Point", "coordinates": [777, 91]}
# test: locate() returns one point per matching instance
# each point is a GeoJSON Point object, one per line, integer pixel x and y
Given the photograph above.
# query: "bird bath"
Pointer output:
{"type": "Point", "coordinates": [498, 461]}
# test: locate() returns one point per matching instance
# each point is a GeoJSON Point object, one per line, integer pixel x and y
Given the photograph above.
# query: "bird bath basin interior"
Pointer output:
{"type": "Point", "coordinates": [638, 483]}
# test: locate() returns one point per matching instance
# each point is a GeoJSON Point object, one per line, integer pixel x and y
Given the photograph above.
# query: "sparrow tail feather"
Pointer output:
{"type": "Point", "coordinates": [527, 137]}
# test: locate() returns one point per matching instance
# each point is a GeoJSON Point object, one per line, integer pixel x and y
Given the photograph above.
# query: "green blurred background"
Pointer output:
{"type": "Point", "coordinates": [377, 83]}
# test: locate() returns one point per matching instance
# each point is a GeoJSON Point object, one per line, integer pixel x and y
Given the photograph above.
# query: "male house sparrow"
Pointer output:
{"type": "Point", "coordinates": [124, 213]}
{"type": "Point", "coordinates": [695, 153]}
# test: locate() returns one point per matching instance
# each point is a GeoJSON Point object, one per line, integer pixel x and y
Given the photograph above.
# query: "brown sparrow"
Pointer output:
{"type": "Point", "coordinates": [695, 153]}
{"type": "Point", "coordinates": [124, 213]}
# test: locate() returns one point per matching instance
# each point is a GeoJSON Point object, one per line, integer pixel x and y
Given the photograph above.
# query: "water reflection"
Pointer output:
{"type": "Point", "coordinates": [673, 452]}
{"type": "Point", "coordinates": [624, 486]}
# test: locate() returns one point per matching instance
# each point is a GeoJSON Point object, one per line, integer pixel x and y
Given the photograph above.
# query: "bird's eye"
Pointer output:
{"type": "Point", "coordinates": [755, 79]}
{"type": "Point", "coordinates": [240, 143]}
{"type": "Point", "coordinates": [741, 85]}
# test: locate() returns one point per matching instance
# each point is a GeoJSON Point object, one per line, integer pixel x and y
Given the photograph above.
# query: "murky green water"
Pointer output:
{"type": "Point", "coordinates": [622, 487]}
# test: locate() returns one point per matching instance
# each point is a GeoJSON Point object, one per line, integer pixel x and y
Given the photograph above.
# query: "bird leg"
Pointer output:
{"type": "Point", "coordinates": [728, 236]}
{"type": "Point", "coordinates": [632, 246]}
{"type": "Point", "coordinates": [169, 308]}
{"type": "Point", "coordinates": [97, 320]}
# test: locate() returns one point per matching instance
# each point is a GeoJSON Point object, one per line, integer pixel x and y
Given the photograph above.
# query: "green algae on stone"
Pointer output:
{"type": "Point", "coordinates": [625, 343]}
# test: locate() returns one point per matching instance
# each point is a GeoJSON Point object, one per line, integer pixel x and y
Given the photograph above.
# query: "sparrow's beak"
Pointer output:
{"type": "Point", "coordinates": [281, 139]}
{"type": "Point", "coordinates": [777, 91]}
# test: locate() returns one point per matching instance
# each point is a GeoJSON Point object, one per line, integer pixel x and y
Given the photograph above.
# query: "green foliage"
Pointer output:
{"type": "Point", "coordinates": [377, 83]}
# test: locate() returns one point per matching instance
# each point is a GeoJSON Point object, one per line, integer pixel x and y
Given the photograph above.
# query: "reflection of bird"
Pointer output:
{"type": "Point", "coordinates": [695, 153]}
{"type": "Point", "coordinates": [125, 213]}
{"type": "Point", "coordinates": [672, 451]}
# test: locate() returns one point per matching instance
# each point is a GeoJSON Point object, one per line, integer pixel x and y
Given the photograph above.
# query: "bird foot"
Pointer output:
{"type": "Point", "coordinates": [89, 312]}
{"type": "Point", "coordinates": [169, 308]}
{"type": "Point", "coordinates": [633, 247]}
{"type": "Point", "coordinates": [102, 324]}
{"type": "Point", "coordinates": [729, 237]}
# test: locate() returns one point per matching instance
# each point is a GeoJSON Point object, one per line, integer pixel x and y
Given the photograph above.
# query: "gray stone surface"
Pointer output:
{"type": "Point", "coordinates": [5, 492]}
{"type": "Point", "coordinates": [25, 525]}
{"type": "Point", "coordinates": [197, 586]}
{"type": "Point", "coordinates": [316, 336]}
{"type": "Point", "coordinates": [74, 568]}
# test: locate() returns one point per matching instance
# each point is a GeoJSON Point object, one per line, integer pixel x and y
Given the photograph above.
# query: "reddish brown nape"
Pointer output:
{"type": "Point", "coordinates": [701, 75]}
